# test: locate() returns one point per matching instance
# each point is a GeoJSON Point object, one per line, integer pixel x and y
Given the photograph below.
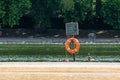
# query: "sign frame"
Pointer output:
{"type": "Point", "coordinates": [72, 28]}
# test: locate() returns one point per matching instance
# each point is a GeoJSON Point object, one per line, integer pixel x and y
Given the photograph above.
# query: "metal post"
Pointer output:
{"type": "Point", "coordinates": [73, 46]}
{"type": "Point", "coordinates": [74, 59]}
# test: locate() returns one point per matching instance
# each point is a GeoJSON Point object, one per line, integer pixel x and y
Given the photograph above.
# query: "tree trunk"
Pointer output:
{"type": "Point", "coordinates": [98, 7]}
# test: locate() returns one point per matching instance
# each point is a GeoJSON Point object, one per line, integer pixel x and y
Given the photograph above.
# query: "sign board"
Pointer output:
{"type": "Point", "coordinates": [72, 28]}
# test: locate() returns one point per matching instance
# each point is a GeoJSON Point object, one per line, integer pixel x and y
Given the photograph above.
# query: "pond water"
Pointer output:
{"type": "Point", "coordinates": [53, 58]}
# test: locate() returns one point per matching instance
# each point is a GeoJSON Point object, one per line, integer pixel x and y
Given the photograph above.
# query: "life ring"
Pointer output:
{"type": "Point", "coordinates": [72, 51]}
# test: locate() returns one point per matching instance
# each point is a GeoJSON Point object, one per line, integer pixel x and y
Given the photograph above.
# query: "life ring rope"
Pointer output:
{"type": "Point", "coordinates": [76, 49]}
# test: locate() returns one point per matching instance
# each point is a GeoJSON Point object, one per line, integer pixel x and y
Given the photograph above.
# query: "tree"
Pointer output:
{"type": "Point", "coordinates": [111, 13]}
{"type": "Point", "coordinates": [12, 10]}
{"type": "Point", "coordinates": [70, 10]}
{"type": "Point", "coordinates": [98, 7]}
{"type": "Point", "coordinates": [77, 10]}
{"type": "Point", "coordinates": [43, 10]}
{"type": "Point", "coordinates": [2, 12]}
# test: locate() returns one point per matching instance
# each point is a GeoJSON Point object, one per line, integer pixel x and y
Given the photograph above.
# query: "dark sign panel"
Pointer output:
{"type": "Point", "coordinates": [72, 29]}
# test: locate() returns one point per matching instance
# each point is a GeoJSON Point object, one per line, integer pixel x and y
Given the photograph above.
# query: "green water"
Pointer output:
{"type": "Point", "coordinates": [60, 58]}
{"type": "Point", "coordinates": [57, 52]}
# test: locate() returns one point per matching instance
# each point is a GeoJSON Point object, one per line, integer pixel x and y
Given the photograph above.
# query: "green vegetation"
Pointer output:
{"type": "Point", "coordinates": [44, 13]}
{"type": "Point", "coordinates": [77, 10]}
{"type": "Point", "coordinates": [12, 10]}
{"type": "Point", "coordinates": [43, 10]}
{"type": "Point", "coordinates": [111, 13]}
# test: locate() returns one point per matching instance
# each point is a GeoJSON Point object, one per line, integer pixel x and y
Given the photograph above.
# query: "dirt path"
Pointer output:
{"type": "Point", "coordinates": [59, 71]}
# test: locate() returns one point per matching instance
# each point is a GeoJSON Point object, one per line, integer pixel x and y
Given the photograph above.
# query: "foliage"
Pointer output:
{"type": "Point", "coordinates": [77, 10]}
{"type": "Point", "coordinates": [2, 12]}
{"type": "Point", "coordinates": [111, 13]}
{"type": "Point", "coordinates": [12, 10]}
{"type": "Point", "coordinates": [43, 10]}
{"type": "Point", "coordinates": [70, 10]}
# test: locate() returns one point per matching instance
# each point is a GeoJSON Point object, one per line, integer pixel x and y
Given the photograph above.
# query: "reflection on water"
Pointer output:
{"type": "Point", "coordinates": [51, 58]}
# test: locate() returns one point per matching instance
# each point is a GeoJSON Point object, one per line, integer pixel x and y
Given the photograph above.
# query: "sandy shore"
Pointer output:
{"type": "Point", "coordinates": [59, 71]}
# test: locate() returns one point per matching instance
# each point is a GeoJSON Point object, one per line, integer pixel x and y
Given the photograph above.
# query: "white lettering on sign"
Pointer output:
{"type": "Point", "coordinates": [72, 29]}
